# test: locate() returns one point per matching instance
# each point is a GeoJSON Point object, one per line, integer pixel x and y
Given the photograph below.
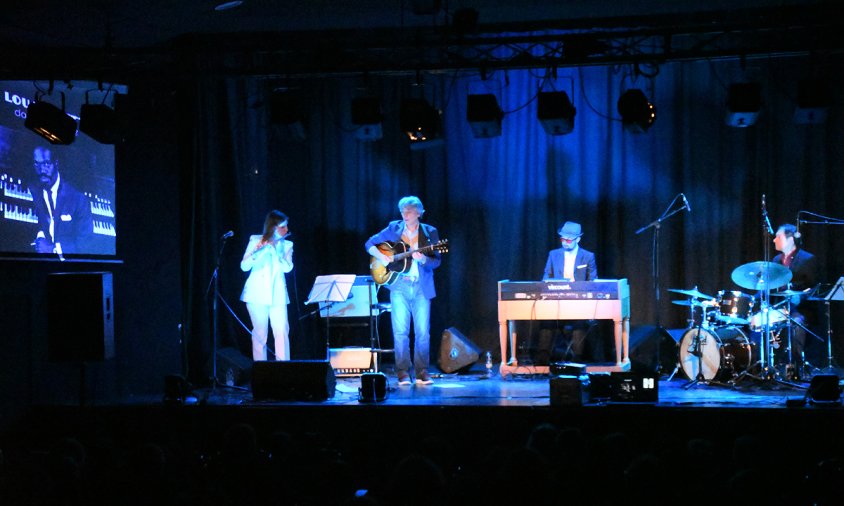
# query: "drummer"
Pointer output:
{"type": "Point", "coordinates": [804, 274]}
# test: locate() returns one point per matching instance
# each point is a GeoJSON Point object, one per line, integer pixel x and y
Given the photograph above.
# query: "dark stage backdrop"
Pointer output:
{"type": "Point", "coordinates": [499, 201]}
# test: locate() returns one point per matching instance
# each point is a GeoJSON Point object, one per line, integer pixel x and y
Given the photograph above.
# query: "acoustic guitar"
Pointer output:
{"type": "Point", "coordinates": [402, 261]}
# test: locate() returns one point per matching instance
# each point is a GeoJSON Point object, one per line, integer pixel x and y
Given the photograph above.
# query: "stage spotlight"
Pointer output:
{"type": "Point", "coordinates": [744, 100]}
{"type": "Point", "coordinates": [637, 113]}
{"type": "Point", "coordinates": [286, 110]}
{"type": "Point", "coordinates": [484, 115]}
{"type": "Point", "coordinates": [367, 116]}
{"type": "Point", "coordinates": [464, 21]}
{"type": "Point", "coordinates": [814, 98]}
{"type": "Point", "coordinates": [50, 122]}
{"type": "Point", "coordinates": [424, 7]}
{"type": "Point", "coordinates": [419, 120]}
{"type": "Point", "coordinates": [99, 121]}
{"type": "Point", "coordinates": [555, 112]}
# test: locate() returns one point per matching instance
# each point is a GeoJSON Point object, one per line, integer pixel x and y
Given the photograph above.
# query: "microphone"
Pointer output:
{"type": "Point", "coordinates": [228, 235]}
{"type": "Point", "coordinates": [767, 222]}
{"type": "Point", "coordinates": [797, 233]}
{"type": "Point", "coordinates": [288, 235]}
{"type": "Point", "coordinates": [686, 202]}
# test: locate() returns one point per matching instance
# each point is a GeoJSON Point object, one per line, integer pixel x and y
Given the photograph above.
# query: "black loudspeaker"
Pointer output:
{"type": "Point", "coordinates": [373, 387]}
{"type": "Point", "coordinates": [824, 390]}
{"type": "Point", "coordinates": [296, 380]}
{"type": "Point", "coordinates": [80, 316]}
{"type": "Point", "coordinates": [456, 351]}
{"type": "Point", "coordinates": [569, 390]}
{"type": "Point", "coordinates": [233, 367]}
{"type": "Point", "coordinates": [652, 349]}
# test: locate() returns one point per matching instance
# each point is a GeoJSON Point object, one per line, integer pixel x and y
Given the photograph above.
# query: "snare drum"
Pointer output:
{"type": "Point", "coordinates": [720, 353]}
{"type": "Point", "coordinates": [735, 307]}
{"type": "Point", "coordinates": [776, 319]}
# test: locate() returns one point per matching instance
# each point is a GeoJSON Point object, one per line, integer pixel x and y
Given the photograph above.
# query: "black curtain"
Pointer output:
{"type": "Point", "coordinates": [499, 201]}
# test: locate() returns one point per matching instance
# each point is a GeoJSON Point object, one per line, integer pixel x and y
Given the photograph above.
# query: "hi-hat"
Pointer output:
{"type": "Point", "coordinates": [691, 293]}
{"type": "Point", "coordinates": [761, 275]}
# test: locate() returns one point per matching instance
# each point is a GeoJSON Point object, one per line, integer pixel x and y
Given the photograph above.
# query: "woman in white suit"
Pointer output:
{"type": "Point", "coordinates": [268, 258]}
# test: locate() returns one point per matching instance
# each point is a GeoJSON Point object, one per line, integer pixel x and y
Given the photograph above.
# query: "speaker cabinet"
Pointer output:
{"type": "Point", "coordinates": [456, 351]}
{"type": "Point", "coordinates": [233, 367]}
{"type": "Point", "coordinates": [80, 316]}
{"type": "Point", "coordinates": [569, 390]}
{"type": "Point", "coordinates": [295, 380]}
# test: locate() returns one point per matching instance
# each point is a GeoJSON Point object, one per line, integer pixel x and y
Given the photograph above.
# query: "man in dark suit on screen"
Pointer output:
{"type": "Point", "coordinates": [65, 223]}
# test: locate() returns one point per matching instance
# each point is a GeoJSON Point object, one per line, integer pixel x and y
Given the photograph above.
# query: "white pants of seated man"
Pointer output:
{"type": "Point", "coordinates": [262, 316]}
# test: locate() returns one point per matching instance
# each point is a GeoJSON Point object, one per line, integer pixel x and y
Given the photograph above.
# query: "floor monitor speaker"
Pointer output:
{"type": "Point", "coordinates": [294, 380]}
{"type": "Point", "coordinates": [456, 351]}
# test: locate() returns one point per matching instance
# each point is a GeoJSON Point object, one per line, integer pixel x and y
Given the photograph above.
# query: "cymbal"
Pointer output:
{"type": "Point", "coordinates": [761, 275]}
{"type": "Point", "coordinates": [695, 303]}
{"type": "Point", "coordinates": [691, 293]}
{"type": "Point", "coordinates": [689, 302]}
{"type": "Point", "coordinates": [788, 293]}
{"type": "Point", "coordinates": [731, 320]}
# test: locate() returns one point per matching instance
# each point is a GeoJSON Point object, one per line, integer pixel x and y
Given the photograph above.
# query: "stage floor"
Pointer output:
{"type": "Point", "coordinates": [475, 388]}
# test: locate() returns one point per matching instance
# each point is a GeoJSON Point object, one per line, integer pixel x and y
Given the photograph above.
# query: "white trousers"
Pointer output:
{"type": "Point", "coordinates": [276, 316]}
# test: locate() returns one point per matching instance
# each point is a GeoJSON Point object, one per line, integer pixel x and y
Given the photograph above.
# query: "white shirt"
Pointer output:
{"type": "Point", "coordinates": [50, 200]}
{"type": "Point", "coordinates": [570, 256]}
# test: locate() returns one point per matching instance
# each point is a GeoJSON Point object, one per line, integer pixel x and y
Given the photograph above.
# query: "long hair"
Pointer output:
{"type": "Point", "coordinates": [274, 218]}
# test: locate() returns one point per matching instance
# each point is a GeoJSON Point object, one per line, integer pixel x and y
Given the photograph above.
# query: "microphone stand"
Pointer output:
{"type": "Point", "coordinates": [215, 284]}
{"type": "Point", "coordinates": [656, 225]}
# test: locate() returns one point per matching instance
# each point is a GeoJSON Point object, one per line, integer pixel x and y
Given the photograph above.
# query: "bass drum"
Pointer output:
{"type": "Point", "coordinates": [724, 352]}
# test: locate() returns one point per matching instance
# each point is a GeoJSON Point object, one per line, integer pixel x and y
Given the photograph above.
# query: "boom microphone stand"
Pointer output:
{"type": "Point", "coordinates": [656, 225]}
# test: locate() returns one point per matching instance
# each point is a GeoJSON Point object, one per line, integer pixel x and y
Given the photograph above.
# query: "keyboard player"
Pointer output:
{"type": "Point", "coordinates": [569, 262]}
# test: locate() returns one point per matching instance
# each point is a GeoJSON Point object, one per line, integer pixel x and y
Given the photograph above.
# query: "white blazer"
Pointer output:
{"type": "Point", "coordinates": [266, 284]}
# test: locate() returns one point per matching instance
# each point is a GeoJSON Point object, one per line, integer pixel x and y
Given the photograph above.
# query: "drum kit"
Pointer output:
{"type": "Point", "coordinates": [716, 347]}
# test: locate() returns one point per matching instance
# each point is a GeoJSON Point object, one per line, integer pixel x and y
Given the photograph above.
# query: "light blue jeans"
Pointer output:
{"type": "Point", "coordinates": [407, 301]}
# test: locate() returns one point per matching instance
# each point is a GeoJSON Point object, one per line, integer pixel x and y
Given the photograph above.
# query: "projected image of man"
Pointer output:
{"type": "Point", "coordinates": [65, 224]}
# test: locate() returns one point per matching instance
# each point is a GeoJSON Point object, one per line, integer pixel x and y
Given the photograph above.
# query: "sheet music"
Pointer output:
{"type": "Point", "coordinates": [331, 288]}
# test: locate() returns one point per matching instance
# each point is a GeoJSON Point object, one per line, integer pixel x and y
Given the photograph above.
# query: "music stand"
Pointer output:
{"type": "Point", "coordinates": [330, 289]}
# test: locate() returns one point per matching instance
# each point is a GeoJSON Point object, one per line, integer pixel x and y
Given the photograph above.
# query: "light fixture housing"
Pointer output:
{"type": "Point", "coordinates": [367, 117]}
{"type": "Point", "coordinates": [419, 120]}
{"type": "Point", "coordinates": [99, 122]}
{"type": "Point", "coordinates": [286, 110]}
{"type": "Point", "coordinates": [814, 97]}
{"type": "Point", "coordinates": [637, 112]}
{"type": "Point", "coordinates": [50, 122]}
{"type": "Point", "coordinates": [484, 115]}
{"type": "Point", "coordinates": [744, 101]}
{"type": "Point", "coordinates": [555, 112]}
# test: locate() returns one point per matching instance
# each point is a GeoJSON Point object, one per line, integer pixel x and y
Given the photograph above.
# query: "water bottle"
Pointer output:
{"type": "Point", "coordinates": [488, 365]}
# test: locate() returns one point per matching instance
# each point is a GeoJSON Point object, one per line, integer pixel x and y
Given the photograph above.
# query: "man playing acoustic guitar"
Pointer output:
{"type": "Point", "coordinates": [412, 290]}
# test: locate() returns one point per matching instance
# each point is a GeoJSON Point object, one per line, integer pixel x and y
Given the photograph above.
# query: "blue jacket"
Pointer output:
{"type": "Point", "coordinates": [585, 268]}
{"type": "Point", "coordinates": [429, 235]}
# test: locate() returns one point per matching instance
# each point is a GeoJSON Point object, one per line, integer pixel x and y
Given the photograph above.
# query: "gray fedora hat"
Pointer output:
{"type": "Point", "coordinates": [570, 229]}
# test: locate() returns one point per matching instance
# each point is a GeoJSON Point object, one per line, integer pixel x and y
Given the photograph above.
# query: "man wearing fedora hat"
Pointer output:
{"type": "Point", "coordinates": [570, 262]}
